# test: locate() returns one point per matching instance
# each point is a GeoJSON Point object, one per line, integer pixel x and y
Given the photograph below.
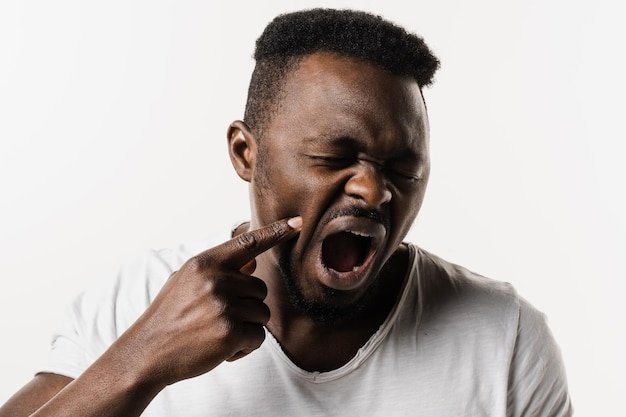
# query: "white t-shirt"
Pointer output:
{"type": "Point", "coordinates": [455, 344]}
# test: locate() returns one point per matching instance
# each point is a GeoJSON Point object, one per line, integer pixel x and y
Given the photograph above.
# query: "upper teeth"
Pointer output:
{"type": "Point", "coordinates": [358, 233]}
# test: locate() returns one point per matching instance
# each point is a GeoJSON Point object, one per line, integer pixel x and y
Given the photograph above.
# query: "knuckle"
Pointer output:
{"type": "Point", "coordinates": [197, 264]}
{"type": "Point", "coordinates": [224, 323]}
{"type": "Point", "coordinates": [214, 284]}
{"type": "Point", "coordinates": [221, 304]}
{"type": "Point", "coordinates": [224, 330]}
{"type": "Point", "coordinates": [255, 238]}
{"type": "Point", "coordinates": [277, 229]}
{"type": "Point", "coordinates": [247, 240]}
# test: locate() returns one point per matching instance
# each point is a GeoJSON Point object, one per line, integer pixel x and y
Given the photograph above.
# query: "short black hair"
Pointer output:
{"type": "Point", "coordinates": [291, 36]}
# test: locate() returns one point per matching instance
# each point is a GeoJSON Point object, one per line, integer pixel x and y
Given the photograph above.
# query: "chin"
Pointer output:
{"type": "Point", "coordinates": [332, 306]}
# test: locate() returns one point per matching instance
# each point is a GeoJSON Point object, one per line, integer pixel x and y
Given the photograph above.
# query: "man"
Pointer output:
{"type": "Point", "coordinates": [316, 307]}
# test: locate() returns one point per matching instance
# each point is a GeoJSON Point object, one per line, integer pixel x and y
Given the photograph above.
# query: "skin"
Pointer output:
{"type": "Point", "coordinates": [347, 135]}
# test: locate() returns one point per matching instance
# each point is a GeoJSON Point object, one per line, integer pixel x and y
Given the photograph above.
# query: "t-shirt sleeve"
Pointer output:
{"type": "Point", "coordinates": [99, 315]}
{"type": "Point", "coordinates": [537, 379]}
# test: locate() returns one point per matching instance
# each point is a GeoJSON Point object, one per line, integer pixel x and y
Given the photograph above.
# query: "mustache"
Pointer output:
{"type": "Point", "coordinates": [354, 211]}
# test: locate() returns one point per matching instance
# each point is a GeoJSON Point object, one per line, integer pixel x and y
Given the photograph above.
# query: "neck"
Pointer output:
{"type": "Point", "coordinates": [323, 346]}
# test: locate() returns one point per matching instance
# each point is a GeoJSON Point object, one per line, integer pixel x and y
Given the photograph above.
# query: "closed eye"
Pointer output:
{"type": "Point", "coordinates": [332, 161]}
{"type": "Point", "coordinates": [404, 175]}
{"type": "Point", "coordinates": [339, 162]}
{"type": "Point", "coordinates": [408, 167]}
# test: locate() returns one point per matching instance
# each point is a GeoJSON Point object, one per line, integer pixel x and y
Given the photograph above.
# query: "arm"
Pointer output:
{"type": "Point", "coordinates": [85, 396]}
{"type": "Point", "coordinates": [34, 394]}
{"type": "Point", "coordinates": [207, 312]}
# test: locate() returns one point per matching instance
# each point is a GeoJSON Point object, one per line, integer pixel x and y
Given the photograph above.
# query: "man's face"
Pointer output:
{"type": "Point", "coordinates": [348, 151]}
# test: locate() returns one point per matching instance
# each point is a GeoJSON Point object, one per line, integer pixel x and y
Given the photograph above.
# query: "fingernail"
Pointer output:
{"type": "Point", "coordinates": [295, 222]}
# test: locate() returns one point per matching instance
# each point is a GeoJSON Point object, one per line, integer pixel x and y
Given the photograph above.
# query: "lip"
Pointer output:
{"type": "Point", "coordinates": [360, 226]}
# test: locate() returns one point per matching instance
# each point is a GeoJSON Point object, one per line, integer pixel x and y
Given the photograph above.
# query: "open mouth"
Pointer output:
{"type": "Point", "coordinates": [347, 251]}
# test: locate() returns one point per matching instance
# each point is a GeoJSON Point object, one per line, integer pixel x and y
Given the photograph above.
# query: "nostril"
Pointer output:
{"type": "Point", "coordinates": [370, 187]}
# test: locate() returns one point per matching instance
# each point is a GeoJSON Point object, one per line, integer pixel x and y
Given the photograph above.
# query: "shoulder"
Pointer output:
{"type": "Point", "coordinates": [103, 311]}
{"type": "Point", "coordinates": [117, 300]}
{"type": "Point", "coordinates": [444, 285]}
{"type": "Point", "coordinates": [449, 307]}
{"type": "Point", "coordinates": [447, 286]}
{"type": "Point", "coordinates": [150, 268]}
{"type": "Point", "coordinates": [496, 325]}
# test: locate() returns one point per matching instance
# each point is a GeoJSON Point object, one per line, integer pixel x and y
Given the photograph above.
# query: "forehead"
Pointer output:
{"type": "Point", "coordinates": [328, 94]}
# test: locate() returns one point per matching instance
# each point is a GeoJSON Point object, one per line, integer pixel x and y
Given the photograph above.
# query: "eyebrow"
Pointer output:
{"type": "Point", "coordinates": [348, 142]}
{"type": "Point", "coordinates": [329, 141]}
{"type": "Point", "coordinates": [340, 139]}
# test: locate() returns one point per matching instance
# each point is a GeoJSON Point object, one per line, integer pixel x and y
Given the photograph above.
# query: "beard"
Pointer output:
{"type": "Point", "coordinates": [331, 308]}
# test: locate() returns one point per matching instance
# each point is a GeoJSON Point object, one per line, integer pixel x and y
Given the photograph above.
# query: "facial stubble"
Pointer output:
{"type": "Point", "coordinates": [330, 308]}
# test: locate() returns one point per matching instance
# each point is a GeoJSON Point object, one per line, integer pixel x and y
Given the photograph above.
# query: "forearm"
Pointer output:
{"type": "Point", "coordinates": [109, 387]}
{"type": "Point", "coordinates": [209, 311]}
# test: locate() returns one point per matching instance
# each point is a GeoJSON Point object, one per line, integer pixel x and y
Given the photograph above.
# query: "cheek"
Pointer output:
{"type": "Point", "coordinates": [307, 194]}
{"type": "Point", "coordinates": [282, 191]}
{"type": "Point", "coordinates": [407, 206]}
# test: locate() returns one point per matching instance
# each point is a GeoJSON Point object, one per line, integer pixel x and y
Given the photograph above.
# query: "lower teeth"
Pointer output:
{"type": "Point", "coordinates": [354, 269]}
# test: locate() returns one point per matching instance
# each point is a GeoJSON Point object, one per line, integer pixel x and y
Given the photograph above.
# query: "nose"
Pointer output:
{"type": "Point", "coordinates": [368, 184]}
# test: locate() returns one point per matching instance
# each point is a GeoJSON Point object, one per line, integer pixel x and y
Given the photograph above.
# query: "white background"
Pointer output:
{"type": "Point", "coordinates": [112, 140]}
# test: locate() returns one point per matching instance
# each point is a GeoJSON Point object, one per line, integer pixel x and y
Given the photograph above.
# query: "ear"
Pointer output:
{"type": "Point", "coordinates": [242, 149]}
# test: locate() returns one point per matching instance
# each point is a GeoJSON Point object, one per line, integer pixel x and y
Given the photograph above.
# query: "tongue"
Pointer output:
{"type": "Point", "coordinates": [343, 251]}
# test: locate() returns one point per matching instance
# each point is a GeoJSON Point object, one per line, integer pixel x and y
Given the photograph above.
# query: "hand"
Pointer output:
{"type": "Point", "coordinates": [209, 311]}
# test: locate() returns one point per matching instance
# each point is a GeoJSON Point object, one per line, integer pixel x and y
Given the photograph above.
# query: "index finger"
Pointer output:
{"type": "Point", "coordinates": [241, 249]}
